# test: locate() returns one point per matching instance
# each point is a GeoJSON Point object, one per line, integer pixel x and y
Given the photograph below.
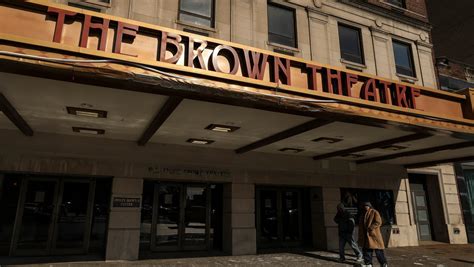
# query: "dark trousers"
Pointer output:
{"type": "Point", "coordinates": [378, 253]}
{"type": "Point", "coordinates": [345, 238]}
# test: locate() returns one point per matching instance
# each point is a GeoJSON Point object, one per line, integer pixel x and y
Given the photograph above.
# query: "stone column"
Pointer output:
{"type": "Point", "coordinates": [317, 218]}
{"type": "Point", "coordinates": [123, 236]}
{"type": "Point", "coordinates": [239, 219]}
{"type": "Point", "coordinates": [331, 197]}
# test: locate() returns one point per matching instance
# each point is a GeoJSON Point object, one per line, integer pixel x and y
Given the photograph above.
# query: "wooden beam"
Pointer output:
{"type": "Point", "coordinates": [170, 105]}
{"type": "Point", "coordinates": [7, 108]}
{"type": "Point", "coordinates": [419, 152]}
{"type": "Point", "coordinates": [383, 143]}
{"type": "Point", "coordinates": [313, 124]}
{"type": "Point", "coordinates": [436, 162]}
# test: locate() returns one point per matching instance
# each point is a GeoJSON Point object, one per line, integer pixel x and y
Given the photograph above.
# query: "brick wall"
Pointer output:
{"type": "Point", "coordinates": [414, 8]}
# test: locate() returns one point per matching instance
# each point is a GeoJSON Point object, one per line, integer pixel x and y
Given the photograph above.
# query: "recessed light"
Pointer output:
{"type": "Point", "coordinates": [352, 156]}
{"type": "Point", "coordinates": [84, 130]}
{"type": "Point", "coordinates": [222, 128]}
{"type": "Point", "coordinates": [86, 112]}
{"type": "Point", "coordinates": [393, 147]}
{"type": "Point", "coordinates": [291, 150]}
{"type": "Point", "coordinates": [199, 141]}
{"type": "Point", "coordinates": [329, 140]}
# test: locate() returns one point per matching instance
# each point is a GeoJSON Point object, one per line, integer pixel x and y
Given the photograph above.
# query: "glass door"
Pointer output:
{"type": "Point", "coordinates": [279, 221]}
{"type": "Point", "coordinates": [181, 217]}
{"type": "Point", "coordinates": [422, 215]}
{"type": "Point", "coordinates": [73, 218]}
{"type": "Point", "coordinates": [291, 217]}
{"type": "Point", "coordinates": [54, 217]}
{"type": "Point", "coordinates": [36, 217]}
{"type": "Point", "coordinates": [196, 217]}
{"type": "Point", "coordinates": [167, 217]}
{"type": "Point", "coordinates": [268, 213]}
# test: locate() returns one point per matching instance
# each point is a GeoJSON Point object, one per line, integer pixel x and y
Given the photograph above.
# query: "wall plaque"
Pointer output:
{"type": "Point", "coordinates": [125, 202]}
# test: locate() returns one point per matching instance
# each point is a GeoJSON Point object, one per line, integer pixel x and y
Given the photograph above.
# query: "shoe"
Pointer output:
{"type": "Point", "coordinates": [385, 265]}
{"type": "Point", "coordinates": [341, 260]}
{"type": "Point", "coordinates": [360, 259]}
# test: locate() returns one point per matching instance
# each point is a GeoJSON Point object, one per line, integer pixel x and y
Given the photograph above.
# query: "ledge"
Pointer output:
{"type": "Point", "coordinates": [354, 65]}
{"type": "Point", "coordinates": [406, 78]}
{"type": "Point", "coordinates": [196, 26]}
{"type": "Point", "coordinates": [284, 47]}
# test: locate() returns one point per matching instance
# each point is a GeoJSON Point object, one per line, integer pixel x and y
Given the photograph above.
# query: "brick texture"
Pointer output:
{"type": "Point", "coordinates": [414, 8]}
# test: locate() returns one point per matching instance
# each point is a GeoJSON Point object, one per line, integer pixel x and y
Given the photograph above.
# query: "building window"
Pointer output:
{"type": "Point", "coordinates": [382, 200]}
{"type": "Point", "coordinates": [398, 3]}
{"type": "Point", "coordinates": [200, 12]}
{"type": "Point", "coordinates": [403, 58]}
{"type": "Point", "coordinates": [281, 25]}
{"type": "Point", "coordinates": [351, 44]}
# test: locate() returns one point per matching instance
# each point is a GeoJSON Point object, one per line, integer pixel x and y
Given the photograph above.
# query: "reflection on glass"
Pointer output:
{"type": "Point", "coordinates": [37, 215]}
{"type": "Point", "coordinates": [420, 201]}
{"type": "Point", "coordinates": [168, 215]}
{"type": "Point", "coordinates": [195, 216]}
{"type": "Point", "coordinates": [72, 215]}
{"type": "Point", "coordinates": [100, 214]}
{"type": "Point", "coordinates": [147, 212]}
{"type": "Point", "coordinates": [9, 193]}
{"type": "Point", "coordinates": [290, 214]}
{"type": "Point", "coordinates": [269, 215]}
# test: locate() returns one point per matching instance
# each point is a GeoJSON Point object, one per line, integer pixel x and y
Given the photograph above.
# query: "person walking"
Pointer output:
{"type": "Point", "coordinates": [345, 225]}
{"type": "Point", "coordinates": [370, 237]}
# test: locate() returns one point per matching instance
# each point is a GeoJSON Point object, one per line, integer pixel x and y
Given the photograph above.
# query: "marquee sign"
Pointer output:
{"type": "Point", "coordinates": [95, 34]}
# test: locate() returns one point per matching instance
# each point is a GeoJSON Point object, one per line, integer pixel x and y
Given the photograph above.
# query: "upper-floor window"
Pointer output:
{"type": "Point", "coordinates": [399, 3]}
{"type": "Point", "coordinates": [403, 58]}
{"type": "Point", "coordinates": [350, 43]}
{"type": "Point", "coordinates": [200, 12]}
{"type": "Point", "coordinates": [281, 25]}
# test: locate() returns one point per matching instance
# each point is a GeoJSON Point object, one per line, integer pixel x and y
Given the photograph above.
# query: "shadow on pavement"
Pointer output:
{"type": "Point", "coordinates": [464, 261]}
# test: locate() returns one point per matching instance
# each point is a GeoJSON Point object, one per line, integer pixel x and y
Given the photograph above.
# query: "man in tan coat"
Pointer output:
{"type": "Point", "coordinates": [370, 237]}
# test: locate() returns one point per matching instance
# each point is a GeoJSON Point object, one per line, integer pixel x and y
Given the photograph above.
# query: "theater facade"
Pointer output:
{"type": "Point", "coordinates": [125, 139]}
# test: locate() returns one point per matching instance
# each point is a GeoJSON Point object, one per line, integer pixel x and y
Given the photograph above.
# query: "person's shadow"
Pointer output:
{"type": "Point", "coordinates": [332, 259]}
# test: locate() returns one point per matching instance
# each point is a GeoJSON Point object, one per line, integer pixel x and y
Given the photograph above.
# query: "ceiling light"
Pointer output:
{"type": "Point", "coordinates": [393, 147]}
{"type": "Point", "coordinates": [84, 130]}
{"type": "Point", "coordinates": [222, 128]}
{"type": "Point", "coordinates": [85, 112]}
{"type": "Point", "coordinates": [353, 156]}
{"type": "Point", "coordinates": [291, 150]}
{"type": "Point", "coordinates": [329, 140]}
{"type": "Point", "coordinates": [199, 141]}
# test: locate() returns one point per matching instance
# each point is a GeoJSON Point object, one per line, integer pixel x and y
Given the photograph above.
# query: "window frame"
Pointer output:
{"type": "Point", "coordinates": [411, 58]}
{"type": "Point", "coordinates": [361, 43]}
{"type": "Point", "coordinates": [295, 28]}
{"type": "Point", "coordinates": [212, 18]}
{"type": "Point", "coordinates": [402, 4]}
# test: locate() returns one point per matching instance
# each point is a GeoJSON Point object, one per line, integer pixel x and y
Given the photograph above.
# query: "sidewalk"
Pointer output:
{"type": "Point", "coordinates": [430, 255]}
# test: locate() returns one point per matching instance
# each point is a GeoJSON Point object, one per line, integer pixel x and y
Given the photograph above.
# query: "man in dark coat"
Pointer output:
{"type": "Point", "coordinates": [345, 224]}
{"type": "Point", "coordinates": [370, 237]}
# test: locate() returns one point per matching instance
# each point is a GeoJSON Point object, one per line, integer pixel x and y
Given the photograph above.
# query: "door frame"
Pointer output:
{"type": "Point", "coordinates": [53, 227]}
{"type": "Point", "coordinates": [279, 205]}
{"type": "Point", "coordinates": [181, 218]}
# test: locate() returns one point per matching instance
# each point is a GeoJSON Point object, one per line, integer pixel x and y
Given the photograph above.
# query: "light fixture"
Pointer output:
{"type": "Point", "coordinates": [352, 156]}
{"type": "Point", "coordinates": [393, 147]}
{"type": "Point", "coordinates": [329, 140]}
{"type": "Point", "coordinates": [291, 150]}
{"type": "Point", "coordinates": [86, 112]}
{"type": "Point", "coordinates": [199, 141]}
{"type": "Point", "coordinates": [84, 130]}
{"type": "Point", "coordinates": [222, 128]}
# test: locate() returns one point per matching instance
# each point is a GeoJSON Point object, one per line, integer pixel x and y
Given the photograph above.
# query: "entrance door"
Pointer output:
{"type": "Point", "coordinates": [279, 221]}
{"type": "Point", "coordinates": [54, 217]}
{"type": "Point", "coordinates": [181, 216]}
{"type": "Point", "coordinates": [421, 214]}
